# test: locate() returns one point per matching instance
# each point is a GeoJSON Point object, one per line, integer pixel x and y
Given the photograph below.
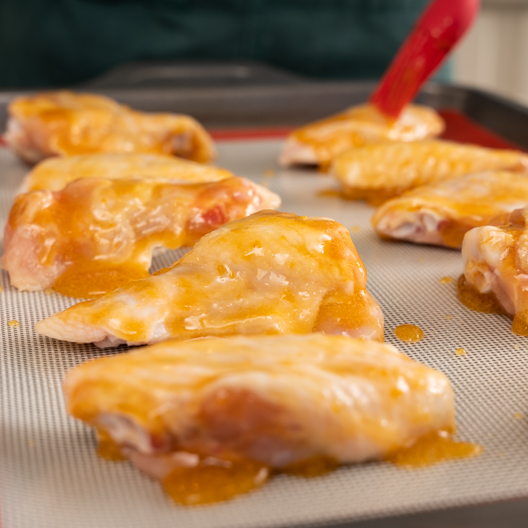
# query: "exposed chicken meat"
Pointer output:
{"type": "Point", "coordinates": [441, 213]}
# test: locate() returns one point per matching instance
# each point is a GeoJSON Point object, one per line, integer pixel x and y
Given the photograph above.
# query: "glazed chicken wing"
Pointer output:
{"type": "Point", "coordinates": [441, 213]}
{"type": "Point", "coordinates": [381, 171]}
{"type": "Point", "coordinates": [251, 404]}
{"type": "Point", "coordinates": [64, 123]}
{"type": "Point", "coordinates": [320, 142]}
{"type": "Point", "coordinates": [55, 173]}
{"type": "Point", "coordinates": [97, 235]}
{"type": "Point", "coordinates": [495, 278]}
{"type": "Point", "coordinates": [271, 273]}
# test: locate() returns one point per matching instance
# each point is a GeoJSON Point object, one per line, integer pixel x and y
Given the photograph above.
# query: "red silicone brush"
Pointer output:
{"type": "Point", "coordinates": [440, 27]}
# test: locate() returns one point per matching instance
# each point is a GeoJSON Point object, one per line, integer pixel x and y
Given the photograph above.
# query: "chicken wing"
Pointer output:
{"type": "Point", "coordinates": [55, 173]}
{"type": "Point", "coordinates": [245, 405]}
{"type": "Point", "coordinates": [64, 123]}
{"type": "Point", "coordinates": [320, 142]}
{"type": "Point", "coordinates": [381, 171]}
{"type": "Point", "coordinates": [96, 234]}
{"type": "Point", "coordinates": [441, 213]}
{"type": "Point", "coordinates": [271, 273]}
{"type": "Point", "coordinates": [495, 278]}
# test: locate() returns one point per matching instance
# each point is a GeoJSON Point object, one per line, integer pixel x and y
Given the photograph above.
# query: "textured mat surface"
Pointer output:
{"type": "Point", "coordinates": [50, 476]}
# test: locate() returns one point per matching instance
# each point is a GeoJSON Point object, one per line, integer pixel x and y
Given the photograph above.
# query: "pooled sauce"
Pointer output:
{"type": "Point", "coordinates": [325, 193]}
{"type": "Point", "coordinates": [471, 298]}
{"type": "Point", "coordinates": [446, 280]}
{"type": "Point", "coordinates": [520, 324]}
{"type": "Point", "coordinates": [14, 323]}
{"type": "Point", "coordinates": [373, 197]}
{"type": "Point", "coordinates": [460, 351]}
{"type": "Point", "coordinates": [433, 448]}
{"type": "Point", "coordinates": [409, 333]}
{"type": "Point", "coordinates": [90, 279]}
{"type": "Point", "coordinates": [214, 480]}
{"type": "Point", "coordinates": [108, 449]}
{"type": "Point", "coordinates": [312, 467]}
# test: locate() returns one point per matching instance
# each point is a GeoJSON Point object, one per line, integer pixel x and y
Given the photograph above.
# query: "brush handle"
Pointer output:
{"type": "Point", "coordinates": [439, 28]}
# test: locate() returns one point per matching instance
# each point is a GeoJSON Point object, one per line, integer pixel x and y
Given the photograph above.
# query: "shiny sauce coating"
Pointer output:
{"type": "Point", "coordinates": [364, 124]}
{"type": "Point", "coordinates": [56, 173]}
{"type": "Point", "coordinates": [65, 123]}
{"type": "Point", "coordinates": [97, 235]}
{"type": "Point", "coordinates": [270, 273]}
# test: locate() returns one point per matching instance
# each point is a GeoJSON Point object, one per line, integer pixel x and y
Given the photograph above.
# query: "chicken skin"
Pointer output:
{"type": "Point", "coordinates": [254, 404]}
{"type": "Point", "coordinates": [320, 142]}
{"type": "Point", "coordinates": [97, 235]}
{"type": "Point", "coordinates": [381, 171]}
{"type": "Point", "coordinates": [64, 123]}
{"type": "Point", "coordinates": [270, 273]}
{"type": "Point", "coordinates": [441, 213]}
{"type": "Point", "coordinates": [495, 278]}
{"type": "Point", "coordinates": [55, 173]}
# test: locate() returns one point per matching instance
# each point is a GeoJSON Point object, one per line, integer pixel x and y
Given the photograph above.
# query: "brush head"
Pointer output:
{"type": "Point", "coordinates": [438, 30]}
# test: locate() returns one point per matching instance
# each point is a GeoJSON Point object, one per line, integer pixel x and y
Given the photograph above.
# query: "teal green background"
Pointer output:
{"type": "Point", "coordinates": [60, 42]}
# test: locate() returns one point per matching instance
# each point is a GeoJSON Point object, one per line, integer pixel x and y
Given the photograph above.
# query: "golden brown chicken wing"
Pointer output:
{"type": "Point", "coordinates": [441, 213]}
{"type": "Point", "coordinates": [211, 417]}
{"type": "Point", "coordinates": [271, 273]}
{"type": "Point", "coordinates": [97, 235]}
{"type": "Point", "coordinates": [381, 171]}
{"type": "Point", "coordinates": [64, 123]}
{"type": "Point", "coordinates": [320, 142]}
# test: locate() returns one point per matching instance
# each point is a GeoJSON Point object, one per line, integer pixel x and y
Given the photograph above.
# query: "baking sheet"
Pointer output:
{"type": "Point", "coordinates": [50, 475]}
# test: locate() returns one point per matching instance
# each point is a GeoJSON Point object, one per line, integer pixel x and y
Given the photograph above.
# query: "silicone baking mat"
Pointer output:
{"type": "Point", "coordinates": [50, 476]}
